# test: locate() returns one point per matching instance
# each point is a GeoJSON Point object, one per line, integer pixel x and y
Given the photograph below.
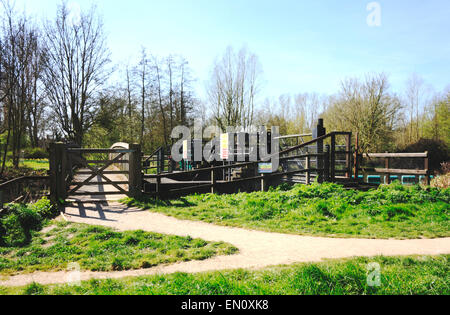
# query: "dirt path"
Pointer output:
{"type": "Point", "coordinates": [256, 249]}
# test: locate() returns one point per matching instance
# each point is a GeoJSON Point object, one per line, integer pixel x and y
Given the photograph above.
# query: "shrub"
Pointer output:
{"type": "Point", "coordinates": [34, 289]}
{"type": "Point", "coordinates": [36, 153]}
{"type": "Point", "coordinates": [45, 208]}
{"type": "Point", "coordinates": [21, 220]}
{"type": "Point", "coordinates": [442, 181]}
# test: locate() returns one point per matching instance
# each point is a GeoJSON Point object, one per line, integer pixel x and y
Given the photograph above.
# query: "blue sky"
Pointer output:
{"type": "Point", "coordinates": [303, 46]}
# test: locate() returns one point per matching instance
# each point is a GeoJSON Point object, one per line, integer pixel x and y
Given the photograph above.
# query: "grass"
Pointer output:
{"type": "Point", "coordinates": [103, 249]}
{"type": "Point", "coordinates": [28, 167]}
{"type": "Point", "coordinates": [392, 211]}
{"type": "Point", "coordinates": [399, 276]}
{"type": "Point", "coordinates": [32, 164]}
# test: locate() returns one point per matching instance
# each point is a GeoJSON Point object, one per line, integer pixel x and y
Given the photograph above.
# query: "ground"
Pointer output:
{"type": "Point", "coordinates": [257, 250]}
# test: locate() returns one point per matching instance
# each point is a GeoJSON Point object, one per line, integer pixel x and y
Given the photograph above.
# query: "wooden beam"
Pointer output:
{"type": "Point", "coordinates": [400, 171]}
{"type": "Point", "coordinates": [394, 155]}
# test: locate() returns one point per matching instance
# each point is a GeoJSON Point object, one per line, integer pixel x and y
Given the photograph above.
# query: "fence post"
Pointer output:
{"type": "Point", "coordinates": [356, 157]}
{"type": "Point", "coordinates": [427, 169]}
{"type": "Point", "coordinates": [349, 156]}
{"type": "Point", "coordinates": [135, 172]}
{"type": "Point", "coordinates": [158, 186]}
{"type": "Point", "coordinates": [319, 132]}
{"type": "Point", "coordinates": [308, 172]}
{"type": "Point", "coordinates": [387, 164]}
{"type": "Point", "coordinates": [158, 162]}
{"type": "Point", "coordinates": [58, 161]}
{"type": "Point", "coordinates": [263, 182]}
{"type": "Point", "coordinates": [326, 164]}
{"type": "Point", "coordinates": [213, 181]}
{"type": "Point", "coordinates": [333, 158]}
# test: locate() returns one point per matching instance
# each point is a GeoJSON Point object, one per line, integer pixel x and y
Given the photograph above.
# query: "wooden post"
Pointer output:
{"type": "Point", "coordinates": [333, 159]}
{"type": "Point", "coordinates": [213, 181]}
{"type": "Point", "coordinates": [158, 186]}
{"type": "Point", "coordinates": [387, 165]}
{"type": "Point", "coordinates": [158, 162]}
{"type": "Point", "coordinates": [319, 132]}
{"type": "Point", "coordinates": [348, 156]}
{"type": "Point", "coordinates": [308, 172]}
{"type": "Point", "coordinates": [427, 169]}
{"type": "Point", "coordinates": [356, 161]}
{"type": "Point", "coordinates": [263, 182]}
{"type": "Point", "coordinates": [58, 165]}
{"type": "Point", "coordinates": [135, 172]}
{"type": "Point", "coordinates": [326, 165]}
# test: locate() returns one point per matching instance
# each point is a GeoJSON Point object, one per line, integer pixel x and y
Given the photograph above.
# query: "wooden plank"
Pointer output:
{"type": "Point", "coordinates": [92, 151]}
{"type": "Point", "coordinates": [97, 193]}
{"type": "Point", "coordinates": [107, 161]}
{"type": "Point", "coordinates": [104, 172]}
{"type": "Point", "coordinates": [302, 156]}
{"type": "Point", "coordinates": [399, 171]}
{"type": "Point", "coordinates": [98, 183]}
{"type": "Point", "coordinates": [394, 155]}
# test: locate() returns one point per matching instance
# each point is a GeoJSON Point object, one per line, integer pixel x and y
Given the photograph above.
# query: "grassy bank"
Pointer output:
{"type": "Point", "coordinates": [406, 275]}
{"type": "Point", "coordinates": [25, 247]}
{"type": "Point", "coordinates": [393, 211]}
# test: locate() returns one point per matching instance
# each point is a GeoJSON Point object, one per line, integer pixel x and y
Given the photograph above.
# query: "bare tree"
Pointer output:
{"type": "Point", "coordinates": [366, 107]}
{"type": "Point", "coordinates": [19, 50]}
{"type": "Point", "coordinates": [142, 72]}
{"type": "Point", "coordinates": [234, 87]}
{"type": "Point", "coordinates": [75, 68]}
{"type": "Point", "coordinates": [415, 97]}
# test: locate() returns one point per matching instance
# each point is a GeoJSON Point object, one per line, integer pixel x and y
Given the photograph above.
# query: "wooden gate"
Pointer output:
{"type": "Point", "coordinates": [73, 168]}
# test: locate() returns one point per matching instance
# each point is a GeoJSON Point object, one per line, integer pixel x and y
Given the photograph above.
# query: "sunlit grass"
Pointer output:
{"type": "Point", "coordinates": [401, 275]}
{"type": "Point", "coordinates": [103, 249]}
{"type": "Point", "coordinates": [37, 165]}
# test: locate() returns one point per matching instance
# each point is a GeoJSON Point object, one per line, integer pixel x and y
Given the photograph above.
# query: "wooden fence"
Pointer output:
{"type": "Point", "coordinates": [320, 164]}
{"type": "Point", "coordinates": [387, 172]}
{"type": "Point", "coordinates": [24, 189]}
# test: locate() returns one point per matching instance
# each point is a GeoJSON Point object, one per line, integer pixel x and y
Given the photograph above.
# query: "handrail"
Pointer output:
{"type": "Point", "coordinates": [395, 155]}
{"type": "Point", "coordinates": [23, 178]}
{"type": "Point", "coordinates": [301, 146]}
{"type": "Point", "coordinates": [153, 154]}
{"type": "Point", "coordinates": [237, 165]}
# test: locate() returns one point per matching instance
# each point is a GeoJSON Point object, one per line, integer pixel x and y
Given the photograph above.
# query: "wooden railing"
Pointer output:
{"type": "Point", "coordinates": [324, 159]}
{"type": "Point", "coordinates": [26, 188]}
{"type": "Point", "coordinates": [387, 171]}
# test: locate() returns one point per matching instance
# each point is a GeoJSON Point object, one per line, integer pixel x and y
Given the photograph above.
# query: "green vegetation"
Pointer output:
{"type": "Point", "coordinates": [25, 247]}
{"type": "Point", "coordinates": [103, 249]}
{"type": "Point", "coordinates": [20, 222]}
{"type": "Point", "coordinates": [32, 164]}
{"type": "Point", "coordinates": [406, 276]}
{"type": "Point", "coordinates": [393, 211]}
